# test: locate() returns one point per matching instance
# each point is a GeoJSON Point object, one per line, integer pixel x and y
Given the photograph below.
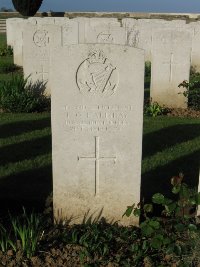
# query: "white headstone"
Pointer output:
{"type": "Point", "coordinates": [170, 66]}
{"type": "Point", "coordinates": [106, 34]}
{"type": "Point", "coordinates": [18, 42]}
{"type": "Point", "coordinates": [36, 45]}
{"type": "Point", "coordinates": [195, 58]}
{"type": "Point", "coordinates": [11, 29]}
{"type": "Point", "coordinates": [139, 32]}
{"type": "Point", "coordinates": [37, 42]}
{"type": "Point", "coordinates": [97, 117]}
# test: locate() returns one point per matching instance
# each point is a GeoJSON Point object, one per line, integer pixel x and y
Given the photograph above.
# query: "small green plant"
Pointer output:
{"type": "Point", "coordinates": [20, 95]}
{"type": "Point", "coordinates": [102, 243]}
{"type": "Point", "coordinates": [192, 92]}
{"type": "Point", "coordinates": [22, 233]}
{"type": "Point", "coordinates": [5, 240]}
{"type": "Point", "coordinates": [27, 229]}
{"type": "Point", "coordinates": [154, 109]}
{"type": "Point", "coordinates": [172, 234]}
{"type": "Point", "coordinates": [6, 51]}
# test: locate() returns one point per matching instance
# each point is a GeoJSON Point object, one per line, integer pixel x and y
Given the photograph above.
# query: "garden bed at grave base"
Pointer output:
{"type": "Point", "coordinates": [180, 112]}
{"type": "Point", "coordinates": [60, 254]}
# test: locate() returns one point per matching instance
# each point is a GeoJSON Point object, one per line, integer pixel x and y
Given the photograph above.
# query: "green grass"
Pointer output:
{"type": "Point", "coordinates": [170, 146]}
{"type": "Point", "coordinates": [6, 59]}
{"type": "Point", "coordinates": [2, 39]}
{"type": "Point", "coordinates": [25, 162]}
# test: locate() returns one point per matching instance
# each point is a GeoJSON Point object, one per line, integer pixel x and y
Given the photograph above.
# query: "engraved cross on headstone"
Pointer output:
{"type": "Point", "coordinates": [42, 73]}
{"type": "Point", "coordinates": [171, 65]}
{"type": "Point", "coordinates": [97, 158]}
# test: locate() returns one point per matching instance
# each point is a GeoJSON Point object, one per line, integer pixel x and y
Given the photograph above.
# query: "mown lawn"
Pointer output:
{"type": "Point", "coordinates": [25, 161]}
{"type": "Point", "coordinates": [2, 39]}
{"type": "Point", "coordinates": [170, 146]}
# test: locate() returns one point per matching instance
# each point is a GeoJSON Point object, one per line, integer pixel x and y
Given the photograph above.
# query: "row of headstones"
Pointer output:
{"type": "Point", "coordinates": [97, 92]}
{"type": "Point", "coordinates": [171, 46]}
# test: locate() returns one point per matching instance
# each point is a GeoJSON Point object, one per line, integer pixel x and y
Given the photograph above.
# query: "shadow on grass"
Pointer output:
{"type": "Point", "coordinates": [29, 189]}
{"type": "Point", "coordinates": [158, 180]}
{"type": "Point", "coordinates": [167, 137]}
{"type": "Point", "coordinates": [19, 127]}
{"type": "Point", "coordinates": [26, 150]}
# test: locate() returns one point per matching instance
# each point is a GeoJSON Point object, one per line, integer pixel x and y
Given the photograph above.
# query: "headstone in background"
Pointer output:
{"type": "Point", "coordinates": [18, 42]}
{"type": "Point", "coordinates": [108, 34]}
{"type": "Point", "coordinates": [36, 49]}
{"type": "Point", "coordinates": [195, 57]}
{"type": "Point", "coordinates": [140, 32]}
{"type": "Point", "coordinates": [97, 118]}
{"type": "Point", "coordinates": [11, 29]}
{"type": "Point", "coordinates": [170, 66]}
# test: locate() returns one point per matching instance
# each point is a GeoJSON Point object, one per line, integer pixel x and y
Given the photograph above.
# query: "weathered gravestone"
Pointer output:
{"type": "Point", "coordinates": [11, 29]}
{"type": "Point", "coordinates": [107, 34]}
{"type": "Point", "coordinates": [170, 66]}
{"type": "Point", "coordinates": [97, 113]}
{"type": "Point", "coordinates": [140, 32]}
{"type": "Point", "coordinates": [195, 58]}
{"type": "Point", "coordinates": [18, 42]}
{"type": "Point", "coordinates": [36, 51]}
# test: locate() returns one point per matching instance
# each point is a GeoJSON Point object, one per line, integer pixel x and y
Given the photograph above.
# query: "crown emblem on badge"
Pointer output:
{"type": "Point", "coordinates": [96, 56]}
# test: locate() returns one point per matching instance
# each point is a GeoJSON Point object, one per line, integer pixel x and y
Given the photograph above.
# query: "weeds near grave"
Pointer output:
{"type": "Point", "coordinates": [5, 241]}
{"type": "Point", "coordinates": [24, 234]}
{"type": "Point", "coordinates": [28, 230]}
{"type": "Point", "coordinates": [103, 243]}
{"type": "Point", "coordinates": [172, 236]}
{"type": "Point", "coordinates": [192, 92]}
{"type": "Point", "coordinates": [154, 109]}
{"type": "Point", "coordinates": [20, 95]}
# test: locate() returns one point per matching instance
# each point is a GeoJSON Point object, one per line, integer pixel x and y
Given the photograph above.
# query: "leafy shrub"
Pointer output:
{"type": "Point", "coordinates": [192, 91]}
{"type": "Point", "coordinates": [154, 109]}
{"type": "Point", "coordinates": [6, 67]}
{"type": "Point", "coordinates": [173, 235]}
{"type": "Point", "coordinates": [6, 51]}
{"type": "Point", "coordinates": [19, 95]}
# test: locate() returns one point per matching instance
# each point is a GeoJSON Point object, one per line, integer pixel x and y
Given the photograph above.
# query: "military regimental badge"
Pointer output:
{"type": "Point", "coordinates": [97, 76]}
{"type": "Point", "coordinates": [40, 38]}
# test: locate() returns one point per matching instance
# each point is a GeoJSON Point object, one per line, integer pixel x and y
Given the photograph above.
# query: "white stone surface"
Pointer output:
{"type": "Point", "coordinates": [36, 49]}
{"type": "Point", "coordinates": [104, 21]}
{"type": "Point", "coordinates": [90, 28]}
{"type": "Point", "coordinates": [61, 20]}
{"type": "Point", "coordinates": [11, 29]}
{"type": "Point", "coordinates": [170, 66]}
{"type": "Point", "coordinates": [195, 57]}
{"type": "Point", "coordinates": [18, 42]}
{"type": "Point", "coordinates": [69, 33]}
{"type": "Point", "coordinates": [97, 117]}
{"type": "Point", "coordinates": [107, 34]}
{"type": "Point", "coordinates": [46, 21]}
{"type": "Point", "coordinates": [139, 32]}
